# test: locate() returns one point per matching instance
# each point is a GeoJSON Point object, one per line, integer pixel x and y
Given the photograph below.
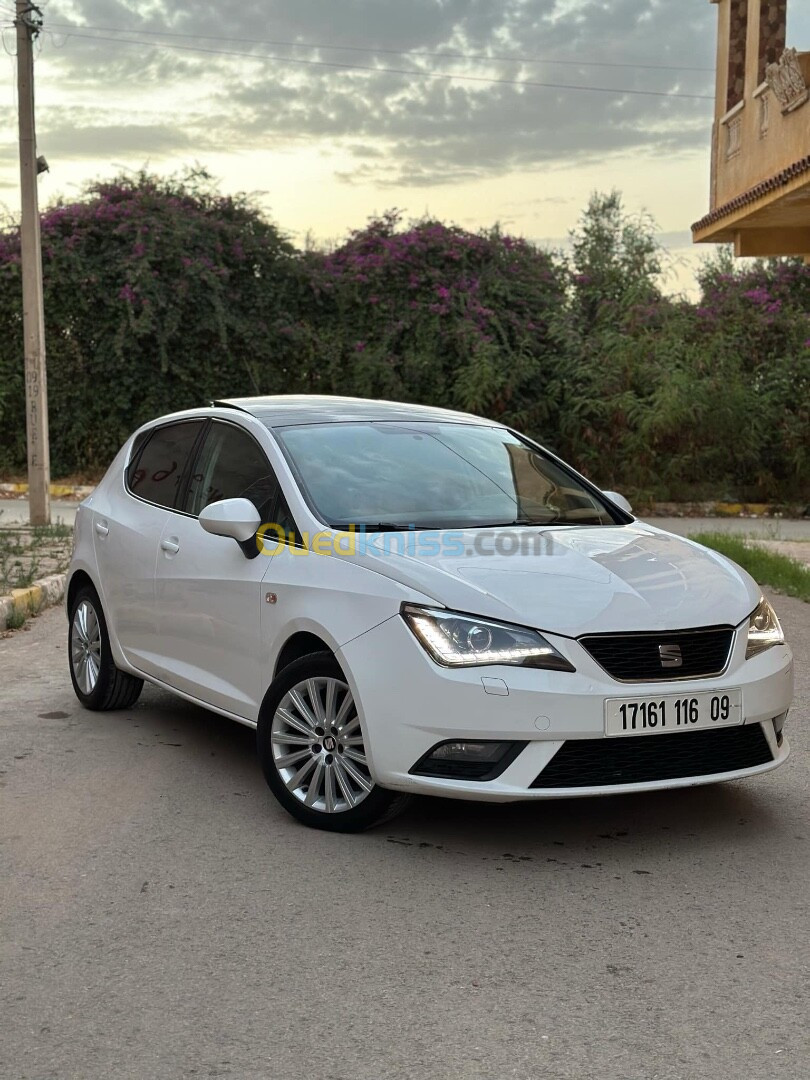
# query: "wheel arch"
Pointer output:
{"type": "Point", "coordinates": [301, 643]}
{"type": "Point", "coordinates": [307, 642]}
{"type": "Point", "coordinates": [81, 577]}
{"type": "Point", "coordinates": [78, 579]}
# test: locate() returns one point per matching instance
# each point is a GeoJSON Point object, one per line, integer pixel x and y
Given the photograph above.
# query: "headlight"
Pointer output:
{"type": "Point", "coordinates": [763, 630]}
{"type": "Point", "coordinates": [461, 641]}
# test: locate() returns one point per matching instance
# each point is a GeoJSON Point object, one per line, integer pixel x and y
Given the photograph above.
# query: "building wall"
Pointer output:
{"type": "Point", "coordinates": [753, 139]}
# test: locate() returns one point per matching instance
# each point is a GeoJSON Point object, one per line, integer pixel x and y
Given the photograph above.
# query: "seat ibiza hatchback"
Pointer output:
{"type": "Point", "coordinates": [404, 599]}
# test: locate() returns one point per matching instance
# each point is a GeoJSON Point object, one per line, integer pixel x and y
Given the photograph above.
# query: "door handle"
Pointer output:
{"type": "Point", "coordinates": [102, 528]}
{"type": "Point", "coordinates": [170, 544]}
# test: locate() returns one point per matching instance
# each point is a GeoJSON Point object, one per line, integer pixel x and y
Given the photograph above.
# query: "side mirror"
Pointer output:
{"type": "Point", "coordinates": [619, 500]}
{"type": "Point", "coordinates": [237, 518]}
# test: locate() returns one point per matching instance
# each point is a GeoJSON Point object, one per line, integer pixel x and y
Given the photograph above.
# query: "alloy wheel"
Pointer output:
{"type": "Point", "coordinates": [318, 748]}
{"type": "Point", "coordinates": [85, 647]}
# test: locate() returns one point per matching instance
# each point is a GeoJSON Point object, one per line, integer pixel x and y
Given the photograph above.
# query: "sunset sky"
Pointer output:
{"type": "Point", "coordinates": [333, 110]}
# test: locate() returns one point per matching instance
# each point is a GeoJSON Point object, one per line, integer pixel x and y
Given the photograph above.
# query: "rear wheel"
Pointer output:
{"type": "Point", "coordinates": [98, 683]}
{"type": "Point", "coordinates": [313, 752]}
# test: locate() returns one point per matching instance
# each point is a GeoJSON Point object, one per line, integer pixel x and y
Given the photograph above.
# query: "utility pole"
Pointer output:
{"type": "Point", "coordinates": [28, 23]}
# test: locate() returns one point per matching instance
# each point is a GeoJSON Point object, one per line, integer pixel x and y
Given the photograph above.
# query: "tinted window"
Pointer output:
{"type": "Point", "coordinates": [232, 465]}
{"type": "Point", "coordinates": [434, 475]}
{"type": "Point", "coordinates": [157, 474]}
{"type": "Point", "coordinates": [134, 457]}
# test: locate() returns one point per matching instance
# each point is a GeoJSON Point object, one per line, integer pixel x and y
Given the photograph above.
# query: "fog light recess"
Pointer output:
{"type": "Point", "coordinates": [467, 759]}
{"type": "Point", "coordinates": [778, 725]}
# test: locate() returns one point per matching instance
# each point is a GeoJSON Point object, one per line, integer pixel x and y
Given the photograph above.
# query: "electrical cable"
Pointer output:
{"type": "Point", "coordinates": [479, 57]}
{"type": "Point", "coordinates": [442, 76]}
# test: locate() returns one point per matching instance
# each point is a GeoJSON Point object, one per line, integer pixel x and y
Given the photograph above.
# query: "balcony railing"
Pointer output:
{"type": "Point", "coordinates": [789, 79]}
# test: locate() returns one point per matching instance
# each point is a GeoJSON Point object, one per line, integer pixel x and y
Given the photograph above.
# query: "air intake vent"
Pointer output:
{"type": "Point", "coordinates": [641, 759]}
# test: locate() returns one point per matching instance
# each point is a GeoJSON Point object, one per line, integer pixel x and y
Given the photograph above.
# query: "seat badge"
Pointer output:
{"type": "Point", "coordinates": [670, 655]}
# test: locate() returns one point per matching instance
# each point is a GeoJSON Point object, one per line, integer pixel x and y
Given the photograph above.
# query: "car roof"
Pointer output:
{"type": "Point", "coordinates": [283, 410]}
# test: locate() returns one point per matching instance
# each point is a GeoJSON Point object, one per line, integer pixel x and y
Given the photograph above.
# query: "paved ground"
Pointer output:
{"type": "Point", "coordinates": [796, 529]}
{"type": "Point", "coordinates": [163, 918]}
{"type": "Point", "coordinates": [15, 511]}
{"type": "Point", "coordinates": [793, 549]}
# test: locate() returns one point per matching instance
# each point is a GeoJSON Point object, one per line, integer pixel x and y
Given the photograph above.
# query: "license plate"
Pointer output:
{"type": "Point", "coordinates": [681, 712]}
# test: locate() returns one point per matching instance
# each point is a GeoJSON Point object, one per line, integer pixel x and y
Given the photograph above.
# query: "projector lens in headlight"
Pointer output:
{"type": "Point", "coordinates": [764, 630]}
{"type": "Point", "coordinates": [455, 640]}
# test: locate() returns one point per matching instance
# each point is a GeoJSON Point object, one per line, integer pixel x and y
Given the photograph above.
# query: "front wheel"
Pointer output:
{"type": "Point", "coordinates": [98, 683]}
{"type": "Point", "coordinates": [312, 750]}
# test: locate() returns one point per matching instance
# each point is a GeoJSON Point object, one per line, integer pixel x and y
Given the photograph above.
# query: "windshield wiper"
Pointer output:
{"type": "Point", "coordinates": [386, 526]}
{"type": "Point", "coordinates": [516, 522]}
{"type": "Point", "coordinates": [536, 523]}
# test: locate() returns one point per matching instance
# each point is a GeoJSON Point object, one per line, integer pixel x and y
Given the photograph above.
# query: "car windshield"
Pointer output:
{"type": "Point", "coordinates": [393, 475]}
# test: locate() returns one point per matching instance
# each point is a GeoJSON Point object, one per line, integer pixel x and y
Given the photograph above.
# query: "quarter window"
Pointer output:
{"type": "Point", "coordinates": [156, 476]}
{"type": "Point", "coordinates": [231, 465]}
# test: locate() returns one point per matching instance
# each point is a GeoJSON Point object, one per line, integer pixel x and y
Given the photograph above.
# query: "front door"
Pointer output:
{"type": "Point", "coordinates": [207, 592]}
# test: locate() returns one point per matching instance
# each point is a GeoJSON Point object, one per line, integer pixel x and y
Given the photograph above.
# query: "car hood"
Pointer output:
{"type": "Point", "coordinates": [571, 580]}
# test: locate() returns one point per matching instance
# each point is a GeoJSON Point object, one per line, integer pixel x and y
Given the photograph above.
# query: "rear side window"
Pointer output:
{"type": "Point", "coordinates": [134, 457]}
{"type": "Point", "coordinates": [158, 472]}
{"type": "Point", "coordinates": [231, 465]}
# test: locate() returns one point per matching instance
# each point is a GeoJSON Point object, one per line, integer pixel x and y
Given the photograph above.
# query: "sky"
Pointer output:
{"type": "Point", "coordinates": [333, 110]}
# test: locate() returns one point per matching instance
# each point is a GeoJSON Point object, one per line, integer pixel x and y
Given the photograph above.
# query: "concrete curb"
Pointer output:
{"type": "Point", "coordinates": [42, 594]}
{"type": "Point", "coordinates": [58, 491]}
{"type": "Point", "coordinates": [719, 509]}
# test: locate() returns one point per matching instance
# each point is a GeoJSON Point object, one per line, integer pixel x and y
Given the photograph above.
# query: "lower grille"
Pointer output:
{"type": "Point", "coordinates": [638, 657]}
{"type": "Point", "coordinates": [642, 759]}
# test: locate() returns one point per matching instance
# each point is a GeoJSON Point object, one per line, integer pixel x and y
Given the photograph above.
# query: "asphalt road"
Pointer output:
{"type": "Point", "coordinates": [163, 918]}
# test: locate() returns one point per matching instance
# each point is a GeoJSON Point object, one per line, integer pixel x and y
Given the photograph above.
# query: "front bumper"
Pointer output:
{"type": "Point", "coordinates": [407, 704]}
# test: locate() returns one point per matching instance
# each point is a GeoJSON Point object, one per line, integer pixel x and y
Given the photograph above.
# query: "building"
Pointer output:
{"type": "Point", "coordinates": [760, 183]}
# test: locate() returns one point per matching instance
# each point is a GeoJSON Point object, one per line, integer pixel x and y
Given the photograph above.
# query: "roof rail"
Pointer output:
{"type": "Point", "coordinates": [227, 405]}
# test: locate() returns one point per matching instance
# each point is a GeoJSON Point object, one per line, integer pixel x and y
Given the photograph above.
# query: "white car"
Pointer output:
{"type": "Point", "coordinates": [403, 599]}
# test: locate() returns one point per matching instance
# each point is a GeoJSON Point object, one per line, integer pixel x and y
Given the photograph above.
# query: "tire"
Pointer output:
{"type": "Point", "coordinates": [97, 682]}
{"type": "Point", "coordinates": [316, 769]}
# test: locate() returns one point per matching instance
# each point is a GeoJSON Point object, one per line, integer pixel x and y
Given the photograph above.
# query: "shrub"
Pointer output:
{"type": "Point", "coordinates": [434, 314]}
{"type": "Point", "coordinates": [159, 294]}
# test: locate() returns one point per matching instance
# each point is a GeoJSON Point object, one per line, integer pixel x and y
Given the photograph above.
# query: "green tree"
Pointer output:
{"type": "Point", "coordinates": [616, 261]}
{"type": "Point", "coordinates": [617, 317]}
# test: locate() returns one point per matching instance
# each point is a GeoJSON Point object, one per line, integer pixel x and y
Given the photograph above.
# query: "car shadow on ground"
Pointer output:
{"type": "Point", "coordinates": [712, 815]}
{"type": "Point", "coordinates": [720, 817]}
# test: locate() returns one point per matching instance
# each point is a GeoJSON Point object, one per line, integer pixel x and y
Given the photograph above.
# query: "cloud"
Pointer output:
{"type": "Point", "coordinates": [398, 128]}
{"type": "Point", "coordinates": [114, 140]}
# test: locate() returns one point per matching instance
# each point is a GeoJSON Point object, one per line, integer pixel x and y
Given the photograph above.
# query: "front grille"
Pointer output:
{"type": "Point", "coordinates": [636, 657]}
{"type": "Point", "coordinates": [641, 759]}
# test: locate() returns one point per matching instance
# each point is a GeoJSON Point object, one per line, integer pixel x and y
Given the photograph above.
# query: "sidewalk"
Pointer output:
{"type": "Point", "coordinates": [33, 565]}
{"type": "Point", "coordinates": [13, 490]}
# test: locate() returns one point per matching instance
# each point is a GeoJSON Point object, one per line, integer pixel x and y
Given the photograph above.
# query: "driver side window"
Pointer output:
{"type": "Point", "coordinates": [231, 465]}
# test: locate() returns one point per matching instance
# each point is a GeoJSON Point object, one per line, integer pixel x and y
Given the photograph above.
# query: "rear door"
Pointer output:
{"type": "Point", "coordinates": [128, 522]}
{"type": "Point", "coordinates": [207, 592]}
